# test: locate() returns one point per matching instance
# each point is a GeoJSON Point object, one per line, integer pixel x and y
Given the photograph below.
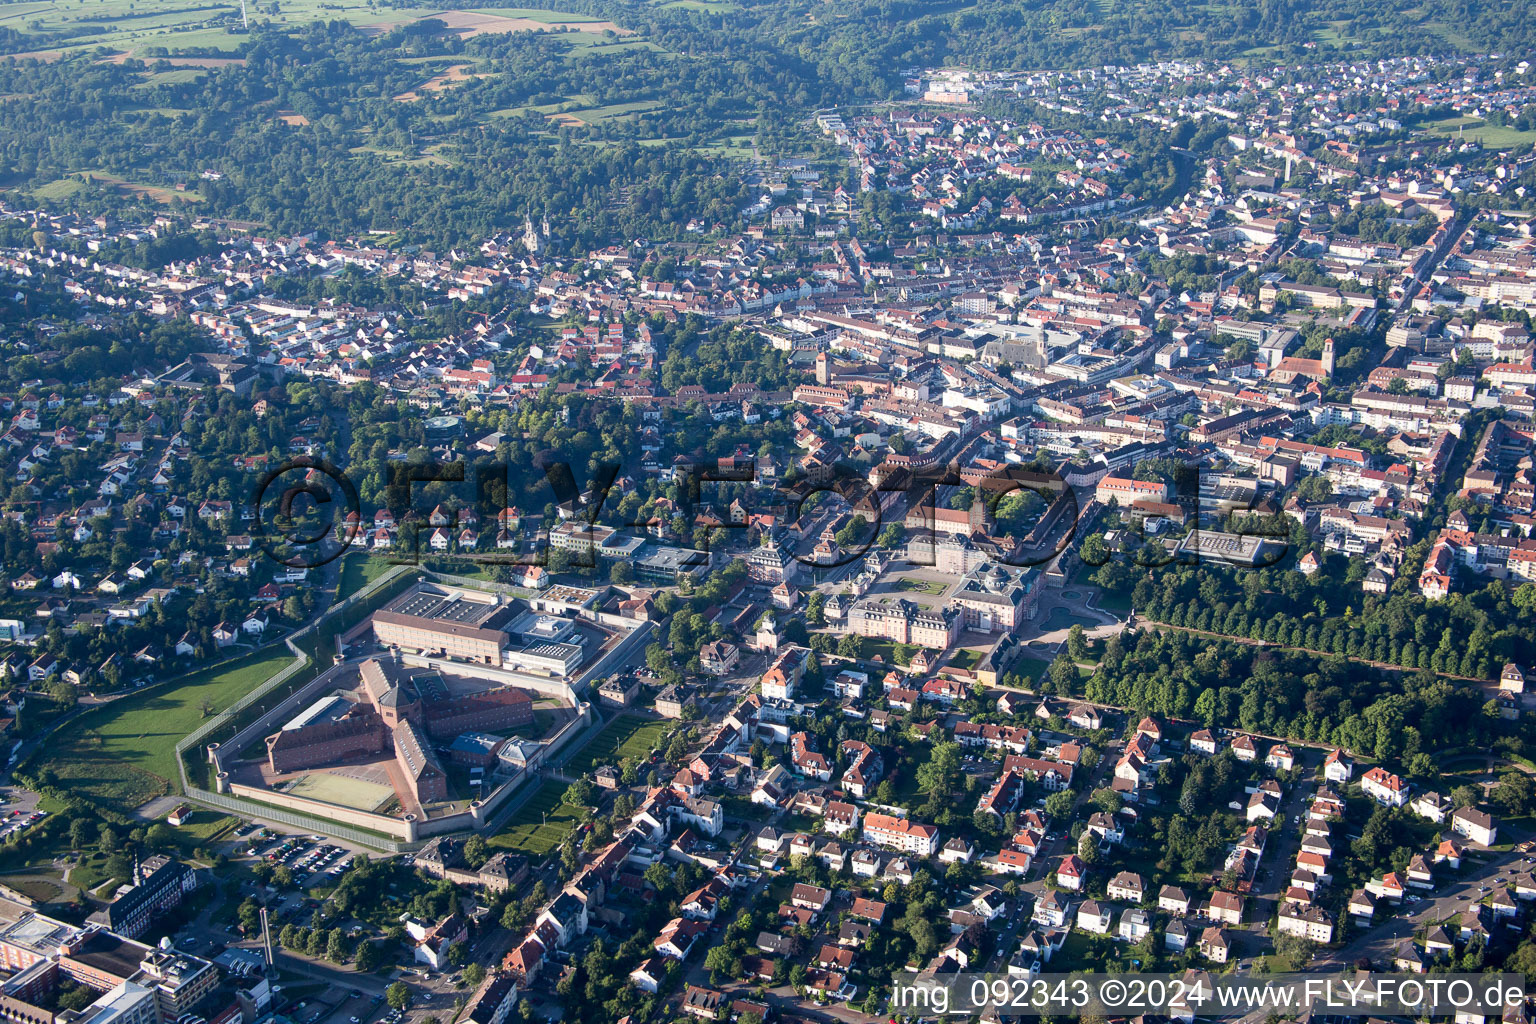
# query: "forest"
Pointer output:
{"type": "Point", "coordinates": [1470, 634]}
{"type": "Point", "coordinates": [1222, 684]}
{"type": "Point", "coordinates": [311, 133]}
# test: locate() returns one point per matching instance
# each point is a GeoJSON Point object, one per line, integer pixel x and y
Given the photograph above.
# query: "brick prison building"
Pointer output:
{"type": "Point", "coordinates": [361, 733]}
{"type": "Point", "coordinates": [401, 712]}
{"type": "Point", "coordinates": [422, 697]}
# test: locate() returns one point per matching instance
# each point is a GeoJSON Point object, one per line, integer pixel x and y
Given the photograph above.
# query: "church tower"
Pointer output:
{"type": "Point", "coordinates": [823, 369]}
{"type": "Point", "coordinates": [1328, 357]}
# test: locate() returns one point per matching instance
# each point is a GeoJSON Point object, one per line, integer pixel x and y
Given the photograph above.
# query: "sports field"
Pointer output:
{"type": "Point", "coordinates": [358, 794]}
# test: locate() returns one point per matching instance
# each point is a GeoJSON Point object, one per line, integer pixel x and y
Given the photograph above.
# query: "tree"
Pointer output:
{"type": "Point", "coordinates": [79, 833]}
{"type": "Point", "coordinates": [397, 996]}
{"type": "Point", "coordinates": [335, 947]}
{"type": "Point", "coordinates": [1063, 674]}
{"type": "Point", "coordinates": [77, 997]}
{"type": "Point", "coordinates": [160, 836]}
{"type": "Point", "coordinates": [939, 774]}
{"type": "Point", "coordinates": [852, 532]}
{"type": "Point", "coordinates": [813, 608]}
{"type": "Point", "coordinates": [1205, 707]}
{"type": "Point", "coordinates": [474, 974]}
{"type": "Point", "coordinates": [1059, 804]}
{"type": "Point", "coordinates": [476, 851]}
{"type": "Point", "coordinates": [1524, 598]}
{"type": "Point", "coordinates": [720, 963]}
{"type": "Point", "coordinates": [250, 916]}
{"type": "Point", "coordinates": [367, 957]}
{"type": "Point", "coordinates": [1077, 642]}
{"type": "Point", "coordinates": [1515, 792]}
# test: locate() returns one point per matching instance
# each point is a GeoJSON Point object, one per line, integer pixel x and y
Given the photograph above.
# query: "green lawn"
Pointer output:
{"type": "Point", "coordinates": [124, 753]}
{"type": "Point", "coordinates": [203, 827]}
{"type": "Point", "coordinates": [63, 188]}
{"type": "Point", "coordinates": [90, 871]}
{"type": "Point", "coordinates": [889, 651]}
{"type": "Point", "coordinates": [542, 823]}
{"type": "Point", "coordinates": [913, 585]}
{"type": "Point", "coordinates": [966, 659]}
{"type": "Point", "coordinates": [358, 570]}
{"type": "Point", "coordinates": [625, 736]}
{"type": "Point", "coordinates": [1480, 131]}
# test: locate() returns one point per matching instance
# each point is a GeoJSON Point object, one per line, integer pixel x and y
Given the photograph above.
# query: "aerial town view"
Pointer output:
{"type": "Point", "coordinates": [638, 511]}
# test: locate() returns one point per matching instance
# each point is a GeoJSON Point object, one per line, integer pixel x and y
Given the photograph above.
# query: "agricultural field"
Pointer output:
{"type": "Point", "coordinates": [61, 189]}
{"type": "Point", "coordinates": [66, 187]}
{"type": "Point", "coordinates": [583, 110]}
{"type": "Point", "coordinates": [144, 30]}
{"type": "Point", "coordinates": [709, 6]}
{"type": "Point", "coordinates": [123, 754]}
{"type": "Point", "coordinates": [172, 77]}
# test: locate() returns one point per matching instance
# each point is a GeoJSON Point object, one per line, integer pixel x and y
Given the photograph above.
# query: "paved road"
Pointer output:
{"type": "Point", "coordinates": [1032, 886]}
{"type": "Point", "coordinates": [1448, 900]}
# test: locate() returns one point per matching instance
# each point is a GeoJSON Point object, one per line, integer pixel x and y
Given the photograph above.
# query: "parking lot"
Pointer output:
{"type": "Point", "coordinates": [308, 857]}
{"type": "Point", "coordinates": [18, 810]}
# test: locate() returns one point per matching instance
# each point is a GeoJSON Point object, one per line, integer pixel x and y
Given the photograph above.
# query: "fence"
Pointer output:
{"type": "Point", "coordinates": [301, 661]}
{"type": "Point", "coordinates": [261, 810]}
{"type": "Point", "coordinates": [478, 584]}
{"type": "Point", "coordinates": [251, 809]}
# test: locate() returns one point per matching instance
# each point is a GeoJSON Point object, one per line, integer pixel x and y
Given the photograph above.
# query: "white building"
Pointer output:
{"type": "Point", "coordinates": [1384, 787]}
